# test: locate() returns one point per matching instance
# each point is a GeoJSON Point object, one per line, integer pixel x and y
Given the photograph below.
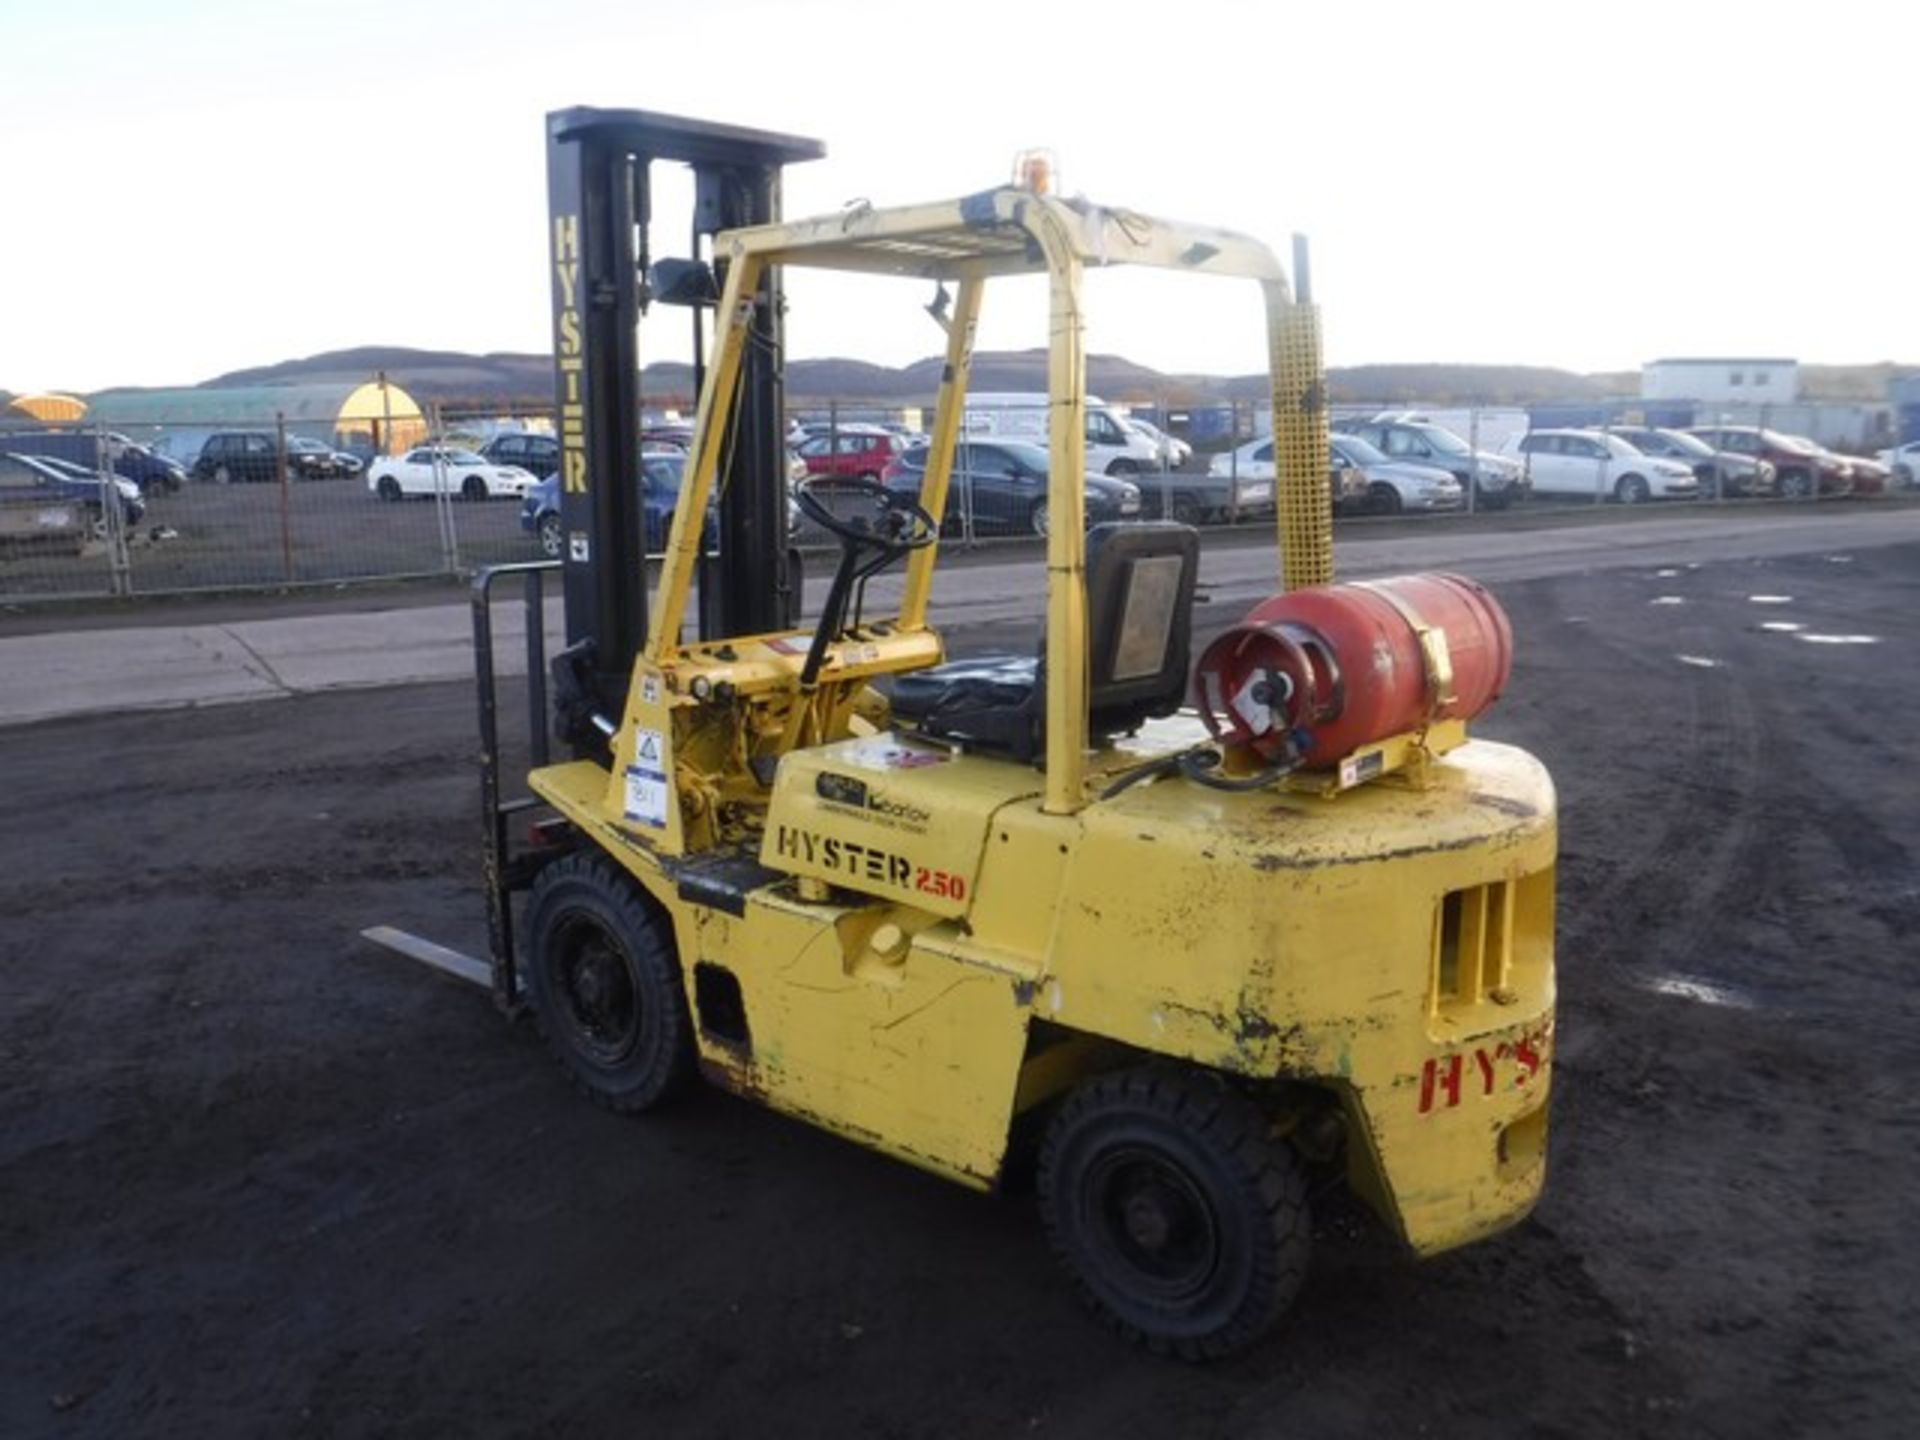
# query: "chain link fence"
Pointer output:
{"type": "Point", "coordinates": [255, 503]}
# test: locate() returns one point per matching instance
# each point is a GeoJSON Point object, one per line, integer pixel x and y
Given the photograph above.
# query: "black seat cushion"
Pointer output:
{"type": "Point", "coordinates": [947, 693]}
{"type": "Point", "coordinates": [998, 702]}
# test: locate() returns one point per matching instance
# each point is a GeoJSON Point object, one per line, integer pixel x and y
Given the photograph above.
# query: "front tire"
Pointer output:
{"type": "Point", "coordinates": [1182, 1219]}
{"type": "Point", "coordinates": [1382, 499]}
{"type": "Point", "coordinates": [605, 985]}
{"type": "Point", "coordinates": [1631, 490]}
{"type": "Point", "coordinates": [553, 538]}
{"type": "Point", "coordinates": [473, 489]}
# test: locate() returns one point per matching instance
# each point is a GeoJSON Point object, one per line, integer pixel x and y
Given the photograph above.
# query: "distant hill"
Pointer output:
{"type": "Point", "coordinates": [457, 379]}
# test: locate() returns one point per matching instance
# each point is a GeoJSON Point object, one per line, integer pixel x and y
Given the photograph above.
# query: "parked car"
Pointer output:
{"type": "Point", "coordinates": [1798, 464]}
{"type": "Point", "coordinates": [677, 437]}
{"type": "Point", "coordinates": [31, 516]}
{"type": "Point", "coordinates": [1245, 477]}
{"type": "Point", "coordinates": [661, 472]}
{"type": "Point", "coordinates": [1370, 481]}
{"type": "Point", "coordinates": [1904, 462]}
{"type": "Point", "coordinates": [55, 483]}
{"type": "Point", "coordinates": [1590, 462]}
{"type": "Point", "coordinates": [83, 448]}
{"type": "Point", "coordinates": [1021, 416]}
{"type": "Point", "coordinates": [320, 461]}
{"type": "Point", "coordinates": [1248, 473]}
{"type": "Point", "coordinates": [1007, 480]}
{"type": "Point", "coordinates": [538, 455]}
{"type": "Point", "coordinates": [87, 475]}
{"type": "Point", "coordinates": [1720, 472]}
{"type": "Point", "coordinates": [238, 456]}
{"type": "Point", "coordinates": [1503, 480]}
{"type": "Point", "coordinates": [460, 472]}
{"type": "Point", "coordinates": [1869, 476]}
{"type": "Point", "coordinates": [864, 453]}
{"type": "Point", "coordinates": [1173, 452]}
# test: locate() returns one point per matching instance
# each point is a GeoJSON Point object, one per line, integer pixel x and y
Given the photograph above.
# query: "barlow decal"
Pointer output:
{"type": "Point", "coordinates": [1475, 1074]}
{"type": "Point", "coordinates": [858, 795]}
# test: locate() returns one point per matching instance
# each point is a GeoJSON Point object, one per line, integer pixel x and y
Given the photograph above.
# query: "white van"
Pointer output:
{"type": "Point", "coordinates": [1112, 447]}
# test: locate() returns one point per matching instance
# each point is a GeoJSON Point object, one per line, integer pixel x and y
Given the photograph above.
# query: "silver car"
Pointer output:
{"type": "Point", "coordinates": [1501, 480]}
{"type": "Point", "coordinates": [1388, 486]}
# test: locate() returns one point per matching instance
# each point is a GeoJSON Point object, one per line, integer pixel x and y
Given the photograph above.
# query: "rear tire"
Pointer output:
{"type": "Point", "coordinates": [553, 538]}
{"type": "Point", "coordinates": [1631, 490]}
{"type": "Point", "coordinates": [1037, 518]}
{"type": "Point", "coordinates": [387, 488]}
{"type": "Point", "coordinates": [605, 984]}
{"type": "Point", "coordinates": [222, 475]}
{"type": "Point", "coordinates": [1183, 1221]}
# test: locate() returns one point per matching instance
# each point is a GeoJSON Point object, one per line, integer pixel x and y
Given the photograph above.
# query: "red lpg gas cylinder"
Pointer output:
{"type": "Point", "coordinates": [1341, 666]}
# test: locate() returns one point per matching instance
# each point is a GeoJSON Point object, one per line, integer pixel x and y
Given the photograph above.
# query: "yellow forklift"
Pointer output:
{"type": "Point", "coordinates": [1194, 940]}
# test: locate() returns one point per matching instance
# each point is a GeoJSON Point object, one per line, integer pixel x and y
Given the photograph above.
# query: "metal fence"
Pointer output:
{"type": "Point", "coordinates": [257, 503]}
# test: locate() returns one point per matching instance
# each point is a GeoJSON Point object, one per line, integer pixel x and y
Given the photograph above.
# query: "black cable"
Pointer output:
{"type": "Point", "coordinates": [1198, 765]}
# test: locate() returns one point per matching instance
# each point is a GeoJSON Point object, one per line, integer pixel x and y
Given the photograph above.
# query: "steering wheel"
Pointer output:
{"type": "Point", "coordinates": [869, 542]}
{"type": "Point", "coordinates": [899, 524]}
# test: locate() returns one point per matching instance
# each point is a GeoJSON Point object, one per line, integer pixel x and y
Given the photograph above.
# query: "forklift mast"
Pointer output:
{"type": "Point", "coordinates": [599, 195]}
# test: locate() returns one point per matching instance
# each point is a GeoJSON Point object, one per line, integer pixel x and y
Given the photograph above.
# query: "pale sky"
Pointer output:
{"type": "Point", "coordinates": [198, 187]}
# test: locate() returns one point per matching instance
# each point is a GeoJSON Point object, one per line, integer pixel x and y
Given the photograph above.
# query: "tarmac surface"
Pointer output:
{"type": "Point", "coordinates": [54, 669]}
{"type": "Point", "coordinates": [260, 1178]}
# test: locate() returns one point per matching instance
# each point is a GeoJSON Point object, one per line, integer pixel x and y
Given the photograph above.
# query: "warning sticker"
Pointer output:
{"type": "Point", "coordinates": [647, 749]}
{"type": "Point", "coordinates": [650, 689]}
{"type": "Point", "coordinates": [646, 796]}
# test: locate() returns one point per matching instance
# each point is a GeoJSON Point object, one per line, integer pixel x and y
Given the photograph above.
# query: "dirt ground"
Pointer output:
{"type": "Point", "coordinates": [259, 1178]}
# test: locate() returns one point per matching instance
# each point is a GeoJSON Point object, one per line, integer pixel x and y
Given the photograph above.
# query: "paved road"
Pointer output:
{"type": "Point", "coordinates": [51, 675]}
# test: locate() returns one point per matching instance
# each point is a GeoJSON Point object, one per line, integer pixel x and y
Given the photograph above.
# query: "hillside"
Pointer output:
{"type": "Point", "coordinates": [503, 378]}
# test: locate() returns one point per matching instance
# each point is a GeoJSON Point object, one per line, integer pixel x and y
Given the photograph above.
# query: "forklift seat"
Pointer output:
{"type": "Point", "coordinates": [1140, 582]}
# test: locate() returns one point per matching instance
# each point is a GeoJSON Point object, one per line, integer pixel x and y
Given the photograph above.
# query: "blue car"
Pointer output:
{"type": "Point", "coordinates": [659, 493]}
{"type": "Point", "coordinates": [51, 478]}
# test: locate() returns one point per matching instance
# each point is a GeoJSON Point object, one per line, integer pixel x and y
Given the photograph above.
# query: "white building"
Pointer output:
{"type": "Point", "coordinates": [1737, 380]}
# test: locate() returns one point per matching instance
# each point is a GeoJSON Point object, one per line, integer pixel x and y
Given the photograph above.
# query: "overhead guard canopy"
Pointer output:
{"type": "Point", "coordinates": [993, 233]}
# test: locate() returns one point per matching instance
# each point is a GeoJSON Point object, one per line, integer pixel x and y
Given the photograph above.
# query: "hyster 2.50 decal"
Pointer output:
{"type": "Point", "coordinates": [867, 863]}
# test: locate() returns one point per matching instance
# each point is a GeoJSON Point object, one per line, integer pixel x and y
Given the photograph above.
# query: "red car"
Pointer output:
{"type": "Point", "coordinates": [861, 454]}
{"type": "Point", "coordinates": [1795, 462]}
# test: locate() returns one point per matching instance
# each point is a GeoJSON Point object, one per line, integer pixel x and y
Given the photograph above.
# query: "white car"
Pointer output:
{"type": "Point", "coordinates": [1904, 461]}
{"type": "Point", "coordinates": [1172, 450]}
{"type": "Point", "coordinates": [1594, 463]}
{"type": "Point", "coordinates": [433, 470]}
{"type": "Point", "coordinates": [1248, 473]}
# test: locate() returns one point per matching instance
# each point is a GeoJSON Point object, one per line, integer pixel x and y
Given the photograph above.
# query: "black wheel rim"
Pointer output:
{"type": "Point", "coordinates": [593, 979]}
{"type": "Point", "coordinates": [1153, 1224]}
